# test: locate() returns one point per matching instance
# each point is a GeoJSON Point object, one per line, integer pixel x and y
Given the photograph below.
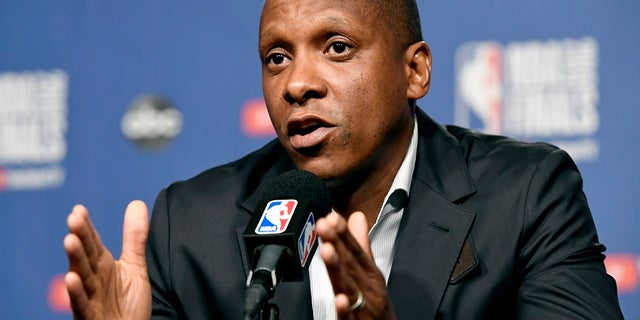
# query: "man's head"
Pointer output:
{"type": "Point", "coordinates": [339, 79]}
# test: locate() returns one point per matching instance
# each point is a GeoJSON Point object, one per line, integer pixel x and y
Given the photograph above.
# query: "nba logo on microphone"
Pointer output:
{"type": "Point", "coordinates": [276, 216]}
{"type": "Point", "coordinates": [307, 239]}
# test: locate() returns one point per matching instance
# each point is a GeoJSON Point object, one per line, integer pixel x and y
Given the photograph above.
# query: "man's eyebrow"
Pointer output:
{"type": "Point", "coordinates": [267, 32]}
{"type": "Point", "coordinates": [270, 34]}
{"type": "Point", "coordinates": [328, 20]}
{"type": "Point", "coordinates": [335, 20]}
{"type": "Point", "coordinates": [343, 24]}
{"type": "Point", "coordinates": [267, 38]}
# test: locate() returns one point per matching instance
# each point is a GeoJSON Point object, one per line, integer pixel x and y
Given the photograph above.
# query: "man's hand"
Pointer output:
{"type": "Point", "coordinates": [347, 254]}
{"type": "Point", "coordinates": [99, 286]}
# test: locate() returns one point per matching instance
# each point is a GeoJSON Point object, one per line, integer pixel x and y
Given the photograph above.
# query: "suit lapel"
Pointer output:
{"type": "Point", "coordinates": [429, 241]}
{"type": "Point", "coordinates": [433, 228]}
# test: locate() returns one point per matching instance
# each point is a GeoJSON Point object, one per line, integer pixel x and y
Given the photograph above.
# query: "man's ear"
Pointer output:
{"type": "Point", "coordinates": [418, 67]}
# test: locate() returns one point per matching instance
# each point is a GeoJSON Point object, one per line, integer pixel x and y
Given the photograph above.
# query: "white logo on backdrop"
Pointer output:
{"type": "Point", "coordinates": [33, 124]}
{"type": "Point", "coordinates": [151, 122]}
{"type": "Point", "coordinates": [532, 90]}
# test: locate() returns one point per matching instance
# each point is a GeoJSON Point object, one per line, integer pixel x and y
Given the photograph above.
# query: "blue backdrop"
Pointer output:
{"type": "Point", "coordinates": [81, 120]}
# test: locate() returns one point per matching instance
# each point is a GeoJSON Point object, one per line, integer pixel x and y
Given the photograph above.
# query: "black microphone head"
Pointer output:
{"type": "Point", "coordinates": [300, 184]}
{"type": "Point", "coordinates": [285, 217]}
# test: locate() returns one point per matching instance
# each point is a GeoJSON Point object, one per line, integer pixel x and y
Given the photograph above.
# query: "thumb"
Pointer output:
{"type": "Point", "coordinates": [359, 228]}
{"type": "Point", "coordinates": [134, 233]}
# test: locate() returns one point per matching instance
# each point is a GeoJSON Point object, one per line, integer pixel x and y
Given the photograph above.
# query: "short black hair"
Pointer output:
{"type": "Point", "coordinates": [403, 17]}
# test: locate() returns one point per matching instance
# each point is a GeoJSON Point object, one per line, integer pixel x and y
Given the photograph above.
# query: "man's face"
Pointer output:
{"type": "Point", "coordinates": [335, 85]}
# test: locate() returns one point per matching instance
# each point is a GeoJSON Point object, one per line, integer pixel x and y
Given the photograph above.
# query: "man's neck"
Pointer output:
{"type": "Point", "coordinates": [367, 192]}
{"type": "Point", "coordinates": [367, 197]}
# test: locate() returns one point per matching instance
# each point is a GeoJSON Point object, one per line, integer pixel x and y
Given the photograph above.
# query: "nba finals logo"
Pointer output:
{"type": "Point", "coordinates": [531, 90]}
{"type": "Point", "coordinates": [276, 216]}
{"type": "Point", "coordinates": [307, 239]}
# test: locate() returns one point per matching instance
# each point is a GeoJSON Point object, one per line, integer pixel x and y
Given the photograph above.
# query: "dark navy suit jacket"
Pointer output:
{"type": "Point", "coordinates": [494, 229]}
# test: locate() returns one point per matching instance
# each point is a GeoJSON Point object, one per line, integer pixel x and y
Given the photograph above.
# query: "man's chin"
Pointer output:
{"type": "Point", "coordinates": [318, 166]}
{"type": "Point", "coordinates": [331, 175]}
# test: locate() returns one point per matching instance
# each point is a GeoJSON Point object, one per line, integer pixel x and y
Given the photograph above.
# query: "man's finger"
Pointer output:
{"type": "Point", "coordinates": [134, 233]}
{"type": "Point", "coordinates": [78, 297]}
{"type": "Point", "coordinates": [79, 224]}
{"type": "Point", "coordinates": [359, 228]}
{"type": "Point", "coordinates": [342, 254]}
{"type": "Point", "coordinates": [342, 305]}
{"type": "Point", "coordinates": [79, 263]}
{"type": "Point", "coordinates": [352, 251]}
{"type": "Point", "coordinates": [93, 231]}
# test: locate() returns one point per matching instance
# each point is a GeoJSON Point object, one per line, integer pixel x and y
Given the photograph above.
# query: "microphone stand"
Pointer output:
{"type": "Point", "coordinates": [262, 281]}
{"type": "Point", "coordinates": [271, 311]}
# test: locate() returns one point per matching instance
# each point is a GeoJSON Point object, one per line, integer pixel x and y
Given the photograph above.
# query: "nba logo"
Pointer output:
{"type": "Point", "coordinates": [479, 87]}
{"type": "Point", "coordinates": [276, 216]}
{"type": "Point", "coordinates": [307, 239]}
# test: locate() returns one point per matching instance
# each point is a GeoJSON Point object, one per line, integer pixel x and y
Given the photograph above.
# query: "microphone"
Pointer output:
{"type": "Point", "coordinates": [281, 238]}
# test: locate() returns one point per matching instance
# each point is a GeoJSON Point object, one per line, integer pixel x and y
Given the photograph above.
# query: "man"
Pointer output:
{"type": "Point", "coordinates": [430, 221]}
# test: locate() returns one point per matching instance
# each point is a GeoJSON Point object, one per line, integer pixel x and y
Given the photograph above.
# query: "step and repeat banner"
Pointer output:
{"type": "Point", "coordinates": [103, 102]}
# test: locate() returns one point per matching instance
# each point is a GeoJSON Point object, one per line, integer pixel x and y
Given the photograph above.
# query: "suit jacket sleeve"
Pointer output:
{"type": "Point", "coordinates": [560, 260]}
{"type": "Point", "coordinates": [158, 261]}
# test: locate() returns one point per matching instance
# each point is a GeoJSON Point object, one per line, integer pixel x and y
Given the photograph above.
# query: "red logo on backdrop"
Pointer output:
{"type": "Point", "coordinates": [57, 296]}
{"type": "Point", "coordinates": [255, 121]}
{"type": "Point", "coordinates": [3, 179]}
{"type": "Point", "coordinates": [624, 268]}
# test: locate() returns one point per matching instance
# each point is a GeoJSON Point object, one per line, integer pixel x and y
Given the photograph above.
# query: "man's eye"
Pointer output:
{"type": "Point", "coordinates": [277, 58]}
{"type": "Point", "coordinates": [339, 47]}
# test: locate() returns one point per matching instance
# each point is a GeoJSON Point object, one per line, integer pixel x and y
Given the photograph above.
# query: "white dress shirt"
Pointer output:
{"type": "Point", "coordinates": [382, 236]}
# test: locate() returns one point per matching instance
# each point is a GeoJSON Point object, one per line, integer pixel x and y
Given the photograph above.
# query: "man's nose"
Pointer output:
{"type": "Point", "coordinates": [305, 79]}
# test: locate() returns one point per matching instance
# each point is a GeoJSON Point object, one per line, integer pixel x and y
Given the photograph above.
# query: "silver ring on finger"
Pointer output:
{"type": "Point", "coordinates": [359, 304]}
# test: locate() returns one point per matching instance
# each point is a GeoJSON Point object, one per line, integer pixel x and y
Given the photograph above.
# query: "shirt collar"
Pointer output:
{"type": "Point", "coordinates": [402, 180]}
